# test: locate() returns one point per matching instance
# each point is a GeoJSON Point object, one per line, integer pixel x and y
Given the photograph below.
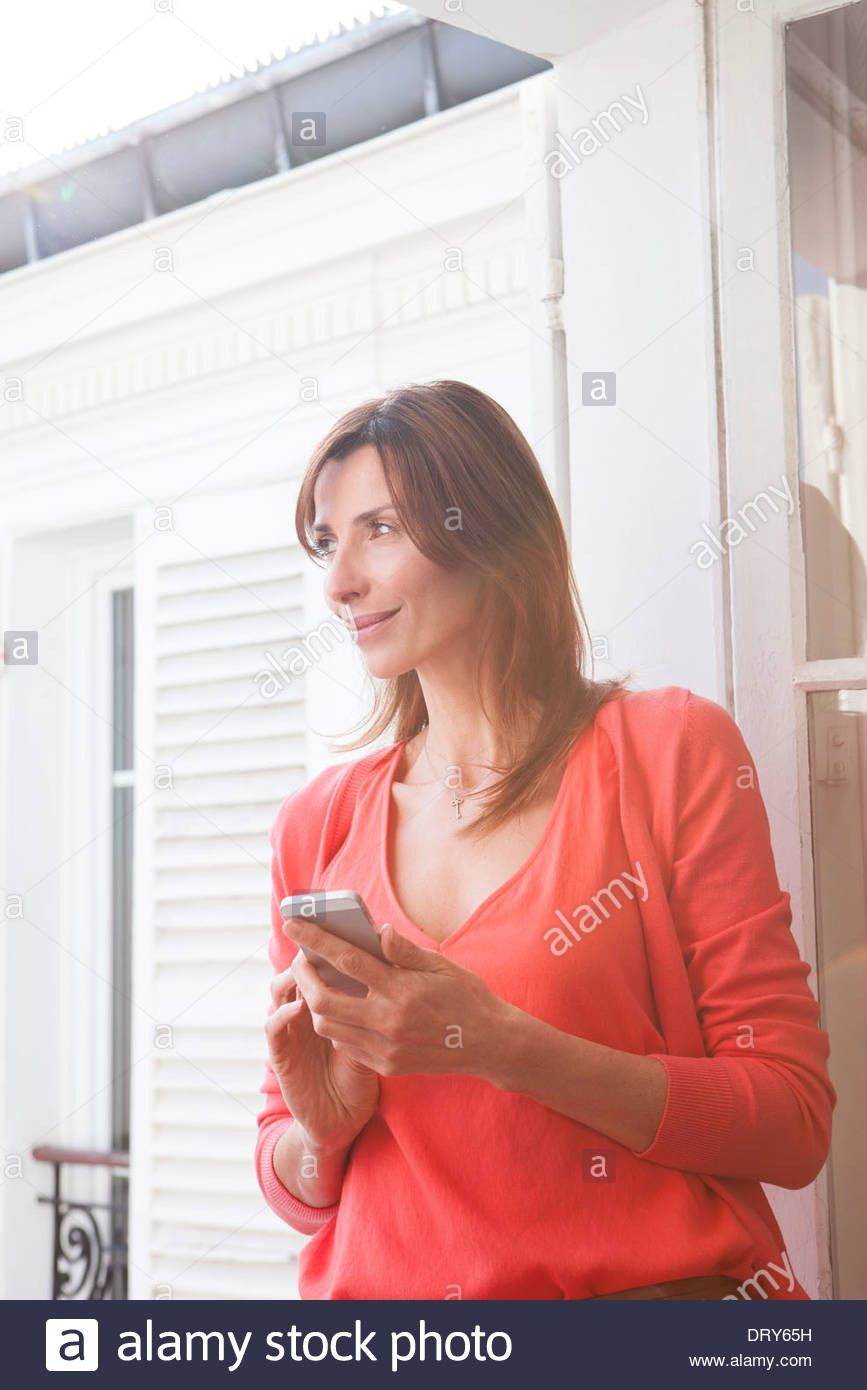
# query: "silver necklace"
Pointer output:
{"type": "Point", "coordinates": [457, 800]}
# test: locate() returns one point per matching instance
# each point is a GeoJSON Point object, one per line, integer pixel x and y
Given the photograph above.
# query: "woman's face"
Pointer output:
{"type": "Point", "coordinates": [373, 567]}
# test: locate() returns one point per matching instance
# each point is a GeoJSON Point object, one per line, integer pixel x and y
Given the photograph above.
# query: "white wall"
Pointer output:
{"type": "Point", "coordinates": [638, 303]}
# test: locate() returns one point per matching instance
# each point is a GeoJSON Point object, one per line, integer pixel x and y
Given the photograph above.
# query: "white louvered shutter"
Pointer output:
{"type": "Point", "coordinates": [217, 593]}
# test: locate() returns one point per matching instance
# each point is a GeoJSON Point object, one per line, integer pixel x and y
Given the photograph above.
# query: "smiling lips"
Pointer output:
{"type": "Point", "coordinates": [369, 623]}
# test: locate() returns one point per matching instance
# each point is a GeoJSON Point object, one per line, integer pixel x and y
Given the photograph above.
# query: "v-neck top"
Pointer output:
{"type": "Point", "coordinates": [648, 918]}
{"type": "Point", "coordinates": [386, 802]}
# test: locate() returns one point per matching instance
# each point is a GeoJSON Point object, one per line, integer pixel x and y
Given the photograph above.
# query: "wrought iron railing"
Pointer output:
{"type": "Point", "coordinates": [89, 1260]}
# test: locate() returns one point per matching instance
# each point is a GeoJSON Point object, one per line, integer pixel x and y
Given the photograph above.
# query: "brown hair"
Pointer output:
{"type": "Point", "coordinates": [451, 453]}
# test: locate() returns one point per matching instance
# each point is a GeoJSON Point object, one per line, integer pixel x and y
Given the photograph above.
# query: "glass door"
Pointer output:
{"type": "Point", "coordinates": [826, 120]}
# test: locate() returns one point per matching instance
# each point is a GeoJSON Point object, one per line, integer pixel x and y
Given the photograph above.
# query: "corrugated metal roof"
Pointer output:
{"type": "Point", "coordinates": [319, 97]}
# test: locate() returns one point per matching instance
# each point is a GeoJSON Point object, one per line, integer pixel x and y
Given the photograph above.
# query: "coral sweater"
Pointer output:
{"type": "Point", "coordinates": [648, 918]}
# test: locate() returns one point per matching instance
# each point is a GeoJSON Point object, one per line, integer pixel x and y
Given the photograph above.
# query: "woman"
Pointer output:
{"type": "Point", "coordinates": [591, 1037]}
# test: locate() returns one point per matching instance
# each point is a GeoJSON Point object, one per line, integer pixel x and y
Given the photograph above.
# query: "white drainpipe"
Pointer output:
{"type": "Point", "coordinates": [550, 436]}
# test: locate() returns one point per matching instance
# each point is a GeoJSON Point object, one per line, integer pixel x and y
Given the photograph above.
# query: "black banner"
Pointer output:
{"type": "Point", "coordinates": [423, 1344]}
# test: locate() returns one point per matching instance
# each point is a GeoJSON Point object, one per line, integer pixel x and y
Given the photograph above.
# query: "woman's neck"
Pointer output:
{"type": "Point", "coordinates": [438, 752]}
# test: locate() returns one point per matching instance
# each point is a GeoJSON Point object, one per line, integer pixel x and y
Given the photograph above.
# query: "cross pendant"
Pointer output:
{"type": "Point", "coordinates": [456, 802]}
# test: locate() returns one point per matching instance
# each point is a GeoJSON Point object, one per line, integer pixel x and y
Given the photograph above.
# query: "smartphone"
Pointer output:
{"type": "Point", "coordinates": [343, 913]}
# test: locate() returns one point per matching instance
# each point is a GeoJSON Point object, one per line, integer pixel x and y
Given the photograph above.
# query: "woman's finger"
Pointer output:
{"type": "Point", "coordinates": [350, 960]}
{"type": "Point", "coordinates": [280, 1024]}
{"type": "Point", "coordinates": [363, 1041]}
{"type": "Point", "coordinates": [284, 987]}
{"type": "Point", "coordinates": [336, 1003]}
{"type": "Point", "coordinates": [305, 973]}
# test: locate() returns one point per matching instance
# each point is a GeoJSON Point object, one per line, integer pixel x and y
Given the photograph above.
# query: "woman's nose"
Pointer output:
{"type": "Point", "coordinates": [343, 581]}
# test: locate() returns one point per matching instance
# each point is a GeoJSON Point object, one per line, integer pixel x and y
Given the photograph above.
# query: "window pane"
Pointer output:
{"type": "Point", "coordinates": [122, 682]}
{"type": "Point", "coordinates": [838, 782]}
{"type": "Point", "coordinates": [826, 71]}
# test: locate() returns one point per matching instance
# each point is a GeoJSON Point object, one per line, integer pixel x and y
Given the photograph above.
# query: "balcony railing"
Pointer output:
{"type": "Point", "coordinates": [89, 1260]}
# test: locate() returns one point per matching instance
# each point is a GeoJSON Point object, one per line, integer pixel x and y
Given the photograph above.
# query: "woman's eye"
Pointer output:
{"type": "Point", "coordinates": [319, 547]}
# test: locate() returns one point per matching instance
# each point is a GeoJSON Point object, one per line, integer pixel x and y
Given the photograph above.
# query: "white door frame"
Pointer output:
{"type": "Point", "coordinates": [771, 677]}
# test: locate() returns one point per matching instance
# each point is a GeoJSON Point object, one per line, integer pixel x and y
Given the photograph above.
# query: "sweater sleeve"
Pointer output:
{"type": "Point", "coordinates": [290, 827]}
{"type": "Point", "coordinates": [758, 1105]}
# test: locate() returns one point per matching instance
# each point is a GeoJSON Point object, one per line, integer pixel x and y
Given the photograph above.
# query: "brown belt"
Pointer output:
{"type": "Point", "coordinates": [703, 1286]}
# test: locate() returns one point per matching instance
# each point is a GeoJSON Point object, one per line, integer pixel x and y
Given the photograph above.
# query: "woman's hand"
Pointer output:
{"type": "Point", "coordinates": [330, 1096]}
{"type": "Point", "coordinates": [422, 1012]}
